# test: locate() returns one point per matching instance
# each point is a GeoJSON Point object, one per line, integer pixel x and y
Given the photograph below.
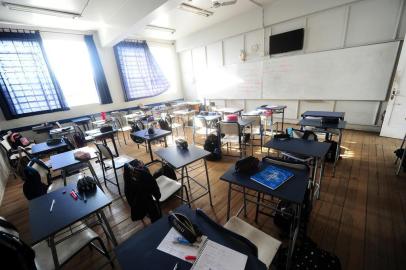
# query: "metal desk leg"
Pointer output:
{"type": "Point", "coordinates": [316, 183]}
{"type": "Point", "coordinates": [53, 251]}
{"type": "Point", "coordinates": [252, 142]}
{"type": "Point", "coordinates": [245, 202]}
{"type": "Point", "coordinates": [228, 201]}
{"type": "Point", "coordinates": [208, 182]}
{"type": "Point", "coordinates": [106, 226]}
{"type": "Point", "coordinates": [150, 150]}
{"type": "Point", "coordinates": [320, 176]}
{"type": "Point", "coordinates": [92, 171]}
{"type": "Point", "coordinates": [181, 182]}
{"type": "Point", "coordinates": [294, 231]}
{"type": "Point", "coordinates": [166, 143]}
{"type": "Point", "coordinates": [188, 181]}
{"type": "Point", "coordinates": [257, 207]}
{"type": "Point", "coordinates": [283, 118]}
{"type": "Point", "coordinates": [114, 145]}
{"type": "Point", "coordinates": [338, 153]}
{"type": "Point", "coordinates": [63, 172]}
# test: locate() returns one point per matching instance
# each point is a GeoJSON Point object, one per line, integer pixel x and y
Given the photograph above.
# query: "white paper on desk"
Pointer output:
{"type": "Point", "coordinates": [181, 251]}
{"type": "Point", "coordinates": [218, 257]}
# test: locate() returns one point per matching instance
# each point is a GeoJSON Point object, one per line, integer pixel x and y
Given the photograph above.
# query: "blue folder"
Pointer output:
{"type": "Point", "coordinates": [272, 177]}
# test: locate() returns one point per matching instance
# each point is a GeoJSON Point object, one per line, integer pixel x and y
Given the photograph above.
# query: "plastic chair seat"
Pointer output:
{"type": "Point", "coordinates": [267, 245]}
{"type": "Point", "coordinates": [167, 186]}
{"type": "Point", "coordinates": [65, 250]}
{"type": "Point", "coordinates": [119, 162]}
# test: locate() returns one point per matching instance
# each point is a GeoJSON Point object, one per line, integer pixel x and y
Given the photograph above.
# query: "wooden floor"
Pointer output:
{"type": "Point", "coordinates": [361, 214]}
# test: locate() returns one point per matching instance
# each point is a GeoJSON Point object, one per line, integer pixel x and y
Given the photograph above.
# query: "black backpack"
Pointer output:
{"type": "Point", "coordinates": [15, 253]}
{"type": "Point", "coordinates": [163, 124]}
{"type": "Point", "coordinates": [212, 144]}
{"type": "Point", "coordinates": [166, 170]}
{"type": "Point", "coordinates": [137, 126]}
{"type": "Point", "coordinates": [307, 255]}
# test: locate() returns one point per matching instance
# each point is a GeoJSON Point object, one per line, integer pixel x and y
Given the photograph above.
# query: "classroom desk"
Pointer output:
{"type": "Point", "coordinates": [182, 114]}
{"type": "Point", "coordinates": [103, 136]}
{"type": "Point", "coordinates": [293, 191]}
{"type": "Point", "coordinates": [230, 111]}
{"type": "Point", "coordinates": [83, 121]}
{"type": "Point", "coordinates": [322, 114]}
{"type": "Point", "coordinates": [61, 131]}
{"type": "Point", "coordinates": [275, 109]}
{"type": "Point", "coordinates": [66, 211]}
{"type": "Point", "coordinates": [140, 249]}
{"type": "Point", "coordinates": [44, 148]}
{"type": "Point", "coordinates": [315, 149]}
{"type": "Point", "coordinates": [327, 128]}
{"type": "Point", "coordinates": [65, 161]}
{"type": "Point", "coordinates": [180, 158]}
{"type": "Point", "coordinates": [42, 128]}
{"type": "Point", "coordinates": [158, 134]}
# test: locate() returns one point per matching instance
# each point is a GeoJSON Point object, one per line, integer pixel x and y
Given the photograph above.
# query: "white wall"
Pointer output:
{"type": "Point", "coordinates": [110, 69]}
{"type": "Point", "coordinates": [329, 24]}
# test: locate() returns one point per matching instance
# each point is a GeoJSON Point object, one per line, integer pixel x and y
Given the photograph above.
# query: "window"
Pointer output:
{"type": "Point", "coordinates": [27, 85]}
{"type": "Point", "coordinates": [140, 74]}
{"type": "Point", "coordinates": [70, 61]}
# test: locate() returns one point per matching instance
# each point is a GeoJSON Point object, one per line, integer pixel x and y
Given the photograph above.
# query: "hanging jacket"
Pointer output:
{"type": "Point", "coordinates": [142, 191]}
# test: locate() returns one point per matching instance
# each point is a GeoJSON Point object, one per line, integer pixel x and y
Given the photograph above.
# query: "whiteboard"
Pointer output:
{"type": "Point", "coordinates": [237, 81]}
{"type": "Point", "coordinates": [358, 73]}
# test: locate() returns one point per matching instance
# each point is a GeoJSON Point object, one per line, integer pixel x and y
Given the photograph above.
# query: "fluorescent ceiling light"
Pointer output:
{"type": "Point", "coordinates": [195, 10]}
{"type": "Point", "coordinates": [160, 28]}
{"type": "Point", "coordinates": [45, 11]}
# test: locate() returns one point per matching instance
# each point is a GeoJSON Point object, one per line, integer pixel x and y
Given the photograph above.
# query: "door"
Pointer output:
{"type": "Point", "coordinates": [394, 123]}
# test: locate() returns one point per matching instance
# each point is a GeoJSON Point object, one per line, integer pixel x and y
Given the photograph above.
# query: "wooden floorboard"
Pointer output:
{"type": "Point", "coordinates": [360, 216]}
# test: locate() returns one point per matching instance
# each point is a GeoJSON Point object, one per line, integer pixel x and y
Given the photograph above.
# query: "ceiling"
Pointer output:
{"type": "Point", "coordinates": [186, 23]}
{"type": "Point", "coordinates": [118, 18]}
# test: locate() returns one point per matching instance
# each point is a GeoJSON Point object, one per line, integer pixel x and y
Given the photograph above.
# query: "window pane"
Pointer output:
{"type": "Point", "coordinates": [70, 61]}
{"type": "Point", "coordinates": [25, 76]}
{"type": "Point", "coordinates": [140, 73]}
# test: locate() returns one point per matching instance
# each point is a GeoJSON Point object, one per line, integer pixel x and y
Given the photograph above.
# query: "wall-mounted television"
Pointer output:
{"type": "Point", "coordinates": [286, 42]}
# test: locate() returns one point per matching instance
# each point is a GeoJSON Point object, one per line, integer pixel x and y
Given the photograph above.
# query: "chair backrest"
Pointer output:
{"type": "Point", "coordinates": [5, 145]}
{"type": "Point", "coordinates": [230, 128]}
{"type": "Point", "coordinates": [257, 120]}
{"type": "Point", "coordinates": [42, 169]}
{"type": "Point", "coordinates": [199, 122]}
{"type": "Point", "coordinates": [104, 151]}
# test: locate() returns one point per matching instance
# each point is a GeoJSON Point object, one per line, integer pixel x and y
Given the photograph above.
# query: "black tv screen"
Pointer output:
{"type": "Point", "coordinates": [286, 42]}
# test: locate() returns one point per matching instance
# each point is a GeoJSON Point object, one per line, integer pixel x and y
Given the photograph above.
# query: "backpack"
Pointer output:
{"type": "Point", "coordinates": [137, 126]}
{"type": "Point", "coordinates": [15, 140]}
{"type": "Point", "coordinates": [17, 254]}
{"type": "Point", "coordinates": [79, 139]}
{"type": "Point", "coordinates": [332, 151]}
{"type": "Point", "coordinates": [212, 145]}
{"type": "Point", "coordinates": [166, 170]}
{"type": "Point", "coordinates": [307, 255]}
{"type": "Point", "coordinates": [399, 154]}
{"type": "Point", "coordinates": [164, 125]}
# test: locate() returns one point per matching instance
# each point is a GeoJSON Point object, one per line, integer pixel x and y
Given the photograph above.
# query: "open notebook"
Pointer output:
{"type": "Point", "coordinates": [213, 256]}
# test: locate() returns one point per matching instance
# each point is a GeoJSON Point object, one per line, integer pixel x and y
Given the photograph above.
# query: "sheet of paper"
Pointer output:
{"type": "Point", "coordinates": [218, 257]}
{"type": "Point", "coordinates": [178, 250]}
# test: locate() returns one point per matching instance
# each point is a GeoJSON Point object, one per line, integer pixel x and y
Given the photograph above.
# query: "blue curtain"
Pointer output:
{"type": "Point", "coordinates": [27, 84]}
{"type": "Point", "coordinates": [140, 74]}
{"type": "Point", "coordinates": [98, 72]}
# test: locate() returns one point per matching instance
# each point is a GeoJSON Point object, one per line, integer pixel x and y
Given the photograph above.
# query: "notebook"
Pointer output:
{"type": "Point", "coordinates": [213, 256]}
{"type": "Point", "coordinates": [272, 177]}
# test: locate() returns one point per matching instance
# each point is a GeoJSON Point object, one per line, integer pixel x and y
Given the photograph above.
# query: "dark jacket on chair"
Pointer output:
{"type": "Point", "coordinates": [33, 187]}
{"type": "Point", "coordinates": [142, 191]}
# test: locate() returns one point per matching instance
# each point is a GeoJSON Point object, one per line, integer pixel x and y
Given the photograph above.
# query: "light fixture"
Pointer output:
{"type": "Point", "coordinates": [195, 10]}
{"type": "Point", "coordinates": [39, 10]}
{"type": "Point", "coordinates": [160, 28]}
